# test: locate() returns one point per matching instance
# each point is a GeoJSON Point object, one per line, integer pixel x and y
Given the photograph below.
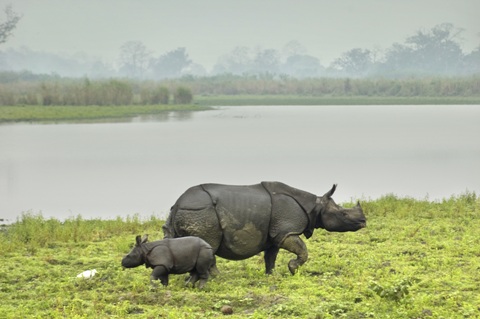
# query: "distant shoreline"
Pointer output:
{"type": "Point", "coordinates": [45, 114]}
{"type": "Point", "coordinates": [233, 100]}
{"type": "Point", "coordinates": [90, 113]}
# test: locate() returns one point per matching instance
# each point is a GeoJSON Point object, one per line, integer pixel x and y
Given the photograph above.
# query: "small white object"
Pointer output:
{"type": "Point", "coordinates": [87, 273]}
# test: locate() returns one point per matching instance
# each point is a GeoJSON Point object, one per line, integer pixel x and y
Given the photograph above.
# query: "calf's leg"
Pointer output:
{"type": "Point", "coordinates": [203, 281]}
{"type": "Point", "coordinates": [205, 263]}
{"type": "Point", "coordinates": [294, 244]}
{"type": "Point", "coordinates": [192, 279]}
{"type": "Point", "coordinates": [160, 273]}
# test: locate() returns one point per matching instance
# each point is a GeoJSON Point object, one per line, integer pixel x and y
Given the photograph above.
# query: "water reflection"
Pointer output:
{"type": "Point", "coordinates": [164, 116]}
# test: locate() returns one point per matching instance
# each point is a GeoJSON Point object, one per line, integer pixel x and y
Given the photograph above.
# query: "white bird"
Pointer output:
{"type": "Point", "coordinates": [87, 273]}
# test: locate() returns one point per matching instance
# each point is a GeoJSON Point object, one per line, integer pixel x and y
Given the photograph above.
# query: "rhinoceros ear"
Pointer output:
{"type": "Point", "coordinates": [138, 240]}
{"type": "Point", "coordinates": [145, 239]}
{"type": "Point", "coordinates": [330, 192]}
{"type": "Point", "coordinates": [358, 203]}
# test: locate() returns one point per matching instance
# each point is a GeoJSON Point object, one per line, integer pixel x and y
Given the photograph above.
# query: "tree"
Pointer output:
{"type": "Point", "coordinates": [40, 62]}
{"type": "Point", "coordinates": [298, 63]}
{"type": "Point", "coordinates": [194, 69]}
{"type": "Point", "coordinates": [266, 61]}
{"type": "Point", "coordinates": [7, 27]}
{"type": "Point", "coordinates": [432, 52]}
{"type": "Point", "coordinates": [293, 48]}
{"type": "Point", "coordinates": [237, 62]}
{"type": "Point", "coordinates": [356, 62]}
{"type": "Point", "coordinates": [398, 60]}
{"type": "Point", "coordinates": [472, 62]}
{"type": "Point", "coordinates": [437, 50]}
{"type": "Point", "coordinates": [134, 59]}
{"type": "Point", "coordinates": [170, 64]}
{"type": "Point", "coordinates": [302, 66]}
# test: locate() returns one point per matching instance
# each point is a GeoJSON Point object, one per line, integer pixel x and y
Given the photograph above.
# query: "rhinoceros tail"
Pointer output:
{"type": "Point", "coordinates": [168, 230]}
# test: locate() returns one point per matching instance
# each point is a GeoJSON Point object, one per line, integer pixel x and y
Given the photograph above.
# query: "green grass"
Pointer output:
{"type": "Point", "coordinates": [78, 113]}
{"type": "Point", "coordinates": [35, 113]}
{"type": "Point", "coordinates": [216, 100]}
{"type": "Point", "coordinates": [415, 259]}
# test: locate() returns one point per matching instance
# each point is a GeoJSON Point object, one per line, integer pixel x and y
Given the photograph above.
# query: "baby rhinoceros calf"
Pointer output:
{"type": "Point", "coordinates": [173, 256]}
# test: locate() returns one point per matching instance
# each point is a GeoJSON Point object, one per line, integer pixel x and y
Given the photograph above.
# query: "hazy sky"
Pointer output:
{"type": "Point", "coordinates": [211, 28]}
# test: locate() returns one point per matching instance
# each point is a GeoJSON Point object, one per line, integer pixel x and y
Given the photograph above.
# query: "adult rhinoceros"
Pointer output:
{"type": "Point", "coordinates": [241, 221]}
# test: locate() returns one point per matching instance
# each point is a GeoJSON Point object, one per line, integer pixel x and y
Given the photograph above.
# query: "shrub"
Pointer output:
{"type": "Point", "coordinates": [6, 97]}
{"type": "Point", "coordinates": [183, 95]}
{"type": "Point", "coordinates": [157, 95]}
{"type": "Point", "coordinates": [116, 92]}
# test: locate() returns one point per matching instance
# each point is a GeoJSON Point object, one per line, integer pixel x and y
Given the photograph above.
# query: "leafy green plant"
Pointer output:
{"type": "Point", "coordinates": [156, 95]}
{"type": "Point", "coordinates": [396, 292]}
{"type": "Point", "coordinates": [183, 95]}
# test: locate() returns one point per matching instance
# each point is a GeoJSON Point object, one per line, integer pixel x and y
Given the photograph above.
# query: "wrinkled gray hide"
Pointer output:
{"type": "Point", "coordinates": [173, 256]}
{"type": "Point", "coordinates": [241, 221]}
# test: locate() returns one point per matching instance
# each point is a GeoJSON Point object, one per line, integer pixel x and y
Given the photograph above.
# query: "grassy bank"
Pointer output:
{"type": "Point", "coordinates": [416, 259]}
{"type": "Point", "coordinates": [217, 100]}
{"type": "Point", "coordinates": [36, 113]}
{"type": "Point", "coordinates": [85, 113]}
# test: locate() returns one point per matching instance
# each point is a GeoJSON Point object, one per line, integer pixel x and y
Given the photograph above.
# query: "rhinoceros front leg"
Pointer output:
{"type": "Point", "coordinates": [294, 244]}
{"type": "Point", "coordinates": [270, 257]}
{"type": "Point", "coordinates": [160, 273]}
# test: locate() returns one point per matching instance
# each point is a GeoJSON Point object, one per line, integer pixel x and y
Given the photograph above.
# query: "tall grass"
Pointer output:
{"type": "Point", "coordinates": [265, 85]}
{"type": "Point", "coordinates": [183, 95]}
{"type": "Point", "coordinates": [85, 92]}
{"type": "Point", "coordinates": [64, 91]}
{"type": "Point", "coordinates": [466, 205]}
{"type": "Point", "coordinates": [33, 231]}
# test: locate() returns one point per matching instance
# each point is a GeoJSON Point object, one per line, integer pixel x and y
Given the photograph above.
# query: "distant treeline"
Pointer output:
{"type": "Point", "coordinates": [28, 89]}
{"type": "Point", "coordinates": [426, 53]}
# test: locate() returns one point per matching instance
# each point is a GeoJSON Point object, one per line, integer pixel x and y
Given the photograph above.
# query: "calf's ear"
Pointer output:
{"type": "Point", "coordinates": [138, 240]}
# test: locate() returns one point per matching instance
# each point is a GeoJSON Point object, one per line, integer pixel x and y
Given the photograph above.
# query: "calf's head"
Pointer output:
{"type": "Point", "coordinates": [335, 218]}
{"type": "Point", "coordinates": [136, 256]}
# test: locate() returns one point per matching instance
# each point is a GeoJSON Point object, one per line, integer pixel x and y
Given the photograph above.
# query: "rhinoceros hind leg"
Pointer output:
{"type": "Point", "coordinates": [270, 257]}
{"type": "Point", "coordinates": [203, 224]}
{"type": "Point", "coordinates": [192, 279]}
{"type": "Point", "coordinates": [196, 276]}
{"type": "Point", "coordinates": [294, 244]}
{"type": "Point", "coordinates": [214, 270]}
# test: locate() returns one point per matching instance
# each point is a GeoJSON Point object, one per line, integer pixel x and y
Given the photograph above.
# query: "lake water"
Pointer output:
{"type": "Point", "coordinates": [142, 166]}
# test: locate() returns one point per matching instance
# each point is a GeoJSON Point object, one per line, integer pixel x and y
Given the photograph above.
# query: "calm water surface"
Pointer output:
{"type": "Point", "coordinates": [118, 169]}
